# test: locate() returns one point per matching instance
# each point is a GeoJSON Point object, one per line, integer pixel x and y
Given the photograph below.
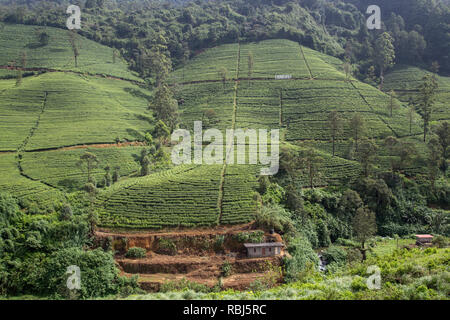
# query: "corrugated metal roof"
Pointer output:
{"type": "Point", "coordinates": [264, 244]}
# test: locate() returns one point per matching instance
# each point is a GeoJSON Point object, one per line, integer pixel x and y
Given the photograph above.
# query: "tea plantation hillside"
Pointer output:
{"type": "Point", "coordinates": [405, 81]}
{"type": "Point", "coordinates": [22, 46]}
{"type": "Point", "coordinates": [247, 96]}
{"type": "Point", "coordinates": [47, 118]}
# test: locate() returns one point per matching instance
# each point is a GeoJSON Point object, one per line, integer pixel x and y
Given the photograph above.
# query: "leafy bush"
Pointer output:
{"type": "Point", "coordinates": [167, 246]}
{"type": "Point", "coordinates": [250, 237]}
{"type": "Point", "coordinates": [302, 255]}
{"type": "Point", "coordinates": [136, 253]}
{"type": "Point", "coordinates": [183, 285]}
{"type": "Point", "coordinates": [335, 255]}
{"type": "Point", "coordinates": [226, 268]}
{"type": "Point", "coordinates": [275, 217]}
{"type": "Point", "coordinates": [440, 241]}
{"type": "Point", "coordinates": [99, 276]}
{"type": "Point", "coordinates": [218, 243]}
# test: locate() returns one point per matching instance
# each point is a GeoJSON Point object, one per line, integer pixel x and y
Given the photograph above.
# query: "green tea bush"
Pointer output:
{"type": "Point", "coordinates": [183, 285]}
{"type": "Point", "coordinates": [136, 253]}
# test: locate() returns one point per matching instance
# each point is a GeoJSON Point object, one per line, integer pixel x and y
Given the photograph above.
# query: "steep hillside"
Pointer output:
{"type": "Point", "coordinates": [52, 115]}
{"type": "Point", "coordinates": [405, 81]}
{"type": "Point", "coordinates": [58, 54]}
{"type": "Point", "coordinates": [61, 115]}
{"type": "Point", "coordinates": [254, 99]}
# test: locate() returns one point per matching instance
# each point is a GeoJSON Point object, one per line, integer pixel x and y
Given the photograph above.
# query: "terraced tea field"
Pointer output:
{"type": "Point", "coordinates": [22, 187]}
{"type": "Point", "coordinates": [184, 196]}
{"type": "Point", "coordinates": [206, 65]}
{"type": "Point", "coordinates": [59, 168]}
{"type": "Point", "coordinates": [93, 58]}
{"type": "Point", "coordinates": [44, 118]}
{"type": "Point", "coordinates": [69, 109]}
{"type": "Point", "coordinates": [405, 80]}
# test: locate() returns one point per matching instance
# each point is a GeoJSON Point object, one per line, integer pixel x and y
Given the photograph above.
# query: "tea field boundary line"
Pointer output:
{"type": "Point", "coordinates": [306, 62]}
{"type": "Point", "coordinates": [233, 126]}
{"type": "Point", "coordinates": [98, 75]}
{"type": "Point", "coordinates": [371, 108]}
{"type": "Point", "coordinates": [22, 147]}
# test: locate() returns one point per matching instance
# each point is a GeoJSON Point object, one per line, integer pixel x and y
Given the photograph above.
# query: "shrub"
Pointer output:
{"type": "Point", "coordinates": [302, 255]}
{"type": "Point", "coordinates": [167, 246]}
{"type": "Point", "coordinates": [274, 217]}
{"type": "Point", "coordinates": [218, 243]}
{"type": "Point", "coordinates": [250, 237]}
{"type": "Point", "coordinates": [226, 268]}
{"type": "Point", "coordinates": [99, 276]}
{"type": "Point", "coordinates": [335, 255]}
{"type": "Point", "coordinates": [183, 285]}
{"type": "Point", "coordinates": [135, 252]}
{"type": "Point", "coordinates": [440, 241]}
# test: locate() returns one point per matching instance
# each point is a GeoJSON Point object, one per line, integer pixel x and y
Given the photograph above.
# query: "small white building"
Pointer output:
{"type": "Point", "coordinates": [265, 249]}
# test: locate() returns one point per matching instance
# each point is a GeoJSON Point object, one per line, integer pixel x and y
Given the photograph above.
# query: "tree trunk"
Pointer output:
{"type": "Point", "coordinates": [333, 144]}
{"type": "Point", "coordinates": [382, 79]}
{"type": "Point", "coordinates": [425, 129]}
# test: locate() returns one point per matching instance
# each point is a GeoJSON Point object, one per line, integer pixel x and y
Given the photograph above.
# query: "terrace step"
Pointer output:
{"type": "Point", "coordinates": [196, 265]}
{"type": "Point", "coordinates": [238, 281]}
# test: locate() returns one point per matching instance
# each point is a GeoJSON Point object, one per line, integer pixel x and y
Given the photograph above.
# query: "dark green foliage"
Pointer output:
{"type": "Point", "coordinates": [323, 234]}
{"type": "Point", "coordinates": [35, 252]}
{"type": "Point", "coordinates": [303, 257]}
{"type": "Point", "coordinates": [274, 217]}
{"type": "Point", "coordinates": [335, 255]}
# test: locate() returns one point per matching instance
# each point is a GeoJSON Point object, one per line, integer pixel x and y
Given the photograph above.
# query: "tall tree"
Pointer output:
{"type": "Point", "coordinates": [434, 160]}
{"type": "Point", "coordinates": [410, 113]}
{"type": "Point", "coordinates": [311, 162]}
{"type": "Point", "coordinates": [426, 99]}
{"type": "Point", "coordinates": [73, 43]}
{"type": "Point", "coordinates": [392, 103]}
{"type": "Point", "coordinates": [88, 161]}
{"type": "Point", "coordinates": [401, 153]}
{"type": "Point", "coordinates": [158, 60]}
{"type": "Point", "coordinates": [107, 178]}
{"type": "Point", "coordinates": [384, 54]}
{"type": "Point", "coordinates": [364, 227]}
{"type": "Point", "coordinates": [223, 75]}
{"type": "Point", "coordinates": [335, 125]}
{"type": "Point", "coordinates": [357, 128]}
{"type": "Point", "coordinates": [114, 56]}
{"type": "Point", "coordinates": [443, 133]}
{"type": "Point", "coordinates": [366, 154]}
{"type": "Point", "coordinates": [165, 106]}
{"type": "Point", "coordinates": [116, 174]}
{"type": "Point", "coordinates": [348, 70]}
